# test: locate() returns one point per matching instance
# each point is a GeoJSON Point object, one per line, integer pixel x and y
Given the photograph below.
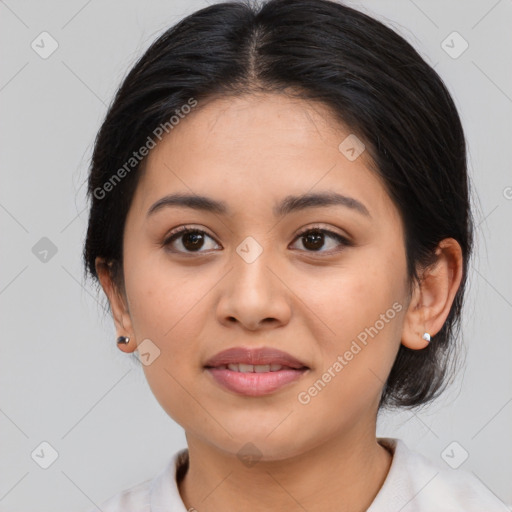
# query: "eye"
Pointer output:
{"type": "Point", "coordinates": [314, 239]}
{"type": "Point", "coordinates": [191, 239]}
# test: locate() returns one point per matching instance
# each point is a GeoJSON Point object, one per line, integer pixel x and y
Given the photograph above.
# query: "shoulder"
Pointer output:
{"type": "Point", "coordinates": [414, 483]}
{"type": "Point", "coordinates": [151, 494]}
{"type": "Point", "coordinates": [134, 499]}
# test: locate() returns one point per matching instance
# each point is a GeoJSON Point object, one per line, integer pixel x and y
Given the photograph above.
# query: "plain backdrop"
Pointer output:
{"type": "Point", "coordinates": [62, 379]}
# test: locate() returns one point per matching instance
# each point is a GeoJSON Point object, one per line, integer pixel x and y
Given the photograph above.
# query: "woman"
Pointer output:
{"type": "Point", "coordinates": [280, 220]}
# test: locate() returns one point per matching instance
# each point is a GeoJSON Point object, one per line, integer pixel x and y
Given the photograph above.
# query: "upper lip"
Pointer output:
{"type": "Point", "coordinates": [263, 355]}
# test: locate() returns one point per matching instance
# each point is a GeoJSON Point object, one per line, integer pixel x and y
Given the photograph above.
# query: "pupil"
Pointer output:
{"type": "Point", "coordinates": [317, 238]}
{"type": "Point", "coordinates": [196, 240]}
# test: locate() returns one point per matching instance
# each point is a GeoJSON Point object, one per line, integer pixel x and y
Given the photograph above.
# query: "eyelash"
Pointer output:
{"type": "Point", "coordinates": [174, 235]}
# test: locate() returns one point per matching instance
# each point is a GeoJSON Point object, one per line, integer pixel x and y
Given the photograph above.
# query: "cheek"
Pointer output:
{"type": "Point", "coordinates": [170, 306]}
{"type": "Point", "coordinates": [170, 314]}
{"type": "Point", "coordinates": [351, 298]}
{"type": "Point", "coordinates": [363, 311]}
{"type": "Point", "coordinates": [163, 297]}
{"type": "Point", "coordinates": [363, 306]}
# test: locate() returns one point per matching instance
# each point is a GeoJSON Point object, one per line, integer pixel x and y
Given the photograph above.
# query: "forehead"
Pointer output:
{"type": "Point", "coordinates": [257, 149]}
{"type": "Point", "coordinates": [249, 125]}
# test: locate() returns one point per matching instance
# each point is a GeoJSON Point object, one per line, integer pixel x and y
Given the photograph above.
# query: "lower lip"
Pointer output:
{"type": "Point", "coordinates": [252, 383]}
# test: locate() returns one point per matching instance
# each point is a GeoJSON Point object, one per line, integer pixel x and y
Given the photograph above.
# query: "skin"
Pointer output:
{"type": "Point", "coordinates": [251, 152]}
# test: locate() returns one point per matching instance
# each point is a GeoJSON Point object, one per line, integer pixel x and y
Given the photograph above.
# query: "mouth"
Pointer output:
{"type": "Point", "coordinates": [249, 382]}
{"type": "Point", "coordinates": [255, 368]}
{"type": "Point", "coordinates": [254, 372]}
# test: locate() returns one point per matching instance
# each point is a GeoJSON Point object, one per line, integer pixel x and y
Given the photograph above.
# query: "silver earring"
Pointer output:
{"type": "Point", "coordinates": [426, 337]}
{"type": "Point", "coordinates": [123, 340]}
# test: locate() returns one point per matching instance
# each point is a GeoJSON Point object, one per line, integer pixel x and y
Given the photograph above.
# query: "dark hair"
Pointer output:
{"type": "Point", "coordinates": [372, 80]}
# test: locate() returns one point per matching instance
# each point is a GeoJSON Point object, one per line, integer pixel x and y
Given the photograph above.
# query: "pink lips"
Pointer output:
{"type": "Point", "coordinates": [254, 383]}
{"type": "Point", "coordinates": [262, 355]}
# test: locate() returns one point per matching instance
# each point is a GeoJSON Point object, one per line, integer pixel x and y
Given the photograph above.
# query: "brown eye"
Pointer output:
{"type": "Point", "coordinates": [314, 239]}
{"type": "Point", "coordinates": [191, 240]}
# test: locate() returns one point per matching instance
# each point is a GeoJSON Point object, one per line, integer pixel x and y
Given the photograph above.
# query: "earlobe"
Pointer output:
{"type": "Point", "coordinates": [433, 296]}
{"type": "Point", "coordinates": [118, 306]}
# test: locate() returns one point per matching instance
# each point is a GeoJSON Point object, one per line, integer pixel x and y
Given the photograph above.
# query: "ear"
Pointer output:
{"type": "Point", "coordinates": [118, 304]}
{"type": "Point", "coordinates": [433, 296]}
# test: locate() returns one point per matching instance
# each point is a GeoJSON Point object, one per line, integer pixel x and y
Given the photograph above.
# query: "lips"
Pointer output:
{"type": "Point", "coordinates": [255, 372]}
{"type": "Point", "coordinates": [254, 356]}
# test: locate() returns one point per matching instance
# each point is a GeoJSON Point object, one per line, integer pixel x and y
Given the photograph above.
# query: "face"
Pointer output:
{"type": "Point", "coordinates": [325, 283]}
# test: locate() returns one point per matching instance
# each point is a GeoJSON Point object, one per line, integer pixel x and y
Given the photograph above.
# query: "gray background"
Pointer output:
{"type": "Point", "coordinates": [62, 379]}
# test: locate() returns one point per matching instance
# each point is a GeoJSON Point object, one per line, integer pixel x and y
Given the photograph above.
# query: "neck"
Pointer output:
{"type": "Point", "coordinates": [341, 475]}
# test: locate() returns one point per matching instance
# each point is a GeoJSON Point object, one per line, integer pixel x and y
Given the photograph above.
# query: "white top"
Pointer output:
{"type": "Point", "coordinates": [413, 484]}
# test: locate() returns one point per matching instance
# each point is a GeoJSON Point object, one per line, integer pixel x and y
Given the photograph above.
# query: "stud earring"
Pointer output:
{"type": "Point", "coordinates": [426, 337]}
{"type": "Point", "coordinates": [123, 340]}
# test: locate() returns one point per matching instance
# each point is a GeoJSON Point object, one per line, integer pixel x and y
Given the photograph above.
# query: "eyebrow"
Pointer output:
{"type": "Point", "coordinates": [287, 205]}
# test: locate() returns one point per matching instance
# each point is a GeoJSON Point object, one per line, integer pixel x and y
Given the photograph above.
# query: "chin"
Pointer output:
{"type": "Point", "coordinates": [255, 445]}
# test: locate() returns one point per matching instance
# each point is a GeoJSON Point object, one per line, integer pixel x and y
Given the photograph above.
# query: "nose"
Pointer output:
{"type": "Point", "coordinates": [255, 293]}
